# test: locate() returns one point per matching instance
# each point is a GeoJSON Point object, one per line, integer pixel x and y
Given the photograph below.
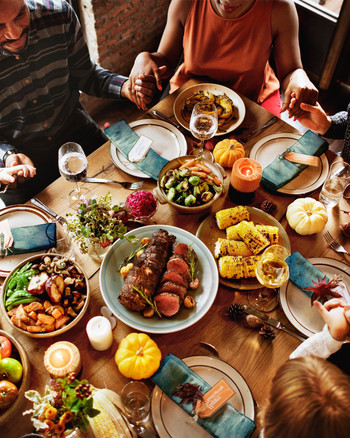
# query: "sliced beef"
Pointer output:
{"type": "Point", "coordinates": [175, 277]}
{"type": "Point", "coordinates": [147, 270]}
{"type": "Point", "coordinates": [177, 264]}
{"type": "Point", "coordinates": [168, 304]}
{"type": "Point", "coordinates": [181, 249]}
{"type": "Point", "coordinates": [174, 288]}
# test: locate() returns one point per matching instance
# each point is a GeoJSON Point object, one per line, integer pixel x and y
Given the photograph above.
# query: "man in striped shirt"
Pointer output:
{"type": "Point", "coordinates": [44, 64]}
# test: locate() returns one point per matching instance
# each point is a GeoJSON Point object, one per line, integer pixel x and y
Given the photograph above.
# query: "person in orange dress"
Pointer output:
{"type": "Point", "coordinates": [231, 42]}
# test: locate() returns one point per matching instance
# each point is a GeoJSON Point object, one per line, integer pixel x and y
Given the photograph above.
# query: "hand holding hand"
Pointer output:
{"type": "Point", "coordinates": [23, 168]}
{"type": "Point", "coordinates": [336, 316]}
{"type": "Point", "coordinates": [314, 118]}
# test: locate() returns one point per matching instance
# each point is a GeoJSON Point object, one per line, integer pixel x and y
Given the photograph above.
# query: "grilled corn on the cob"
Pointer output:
{"type": "Point", "coordinates": [231, 216]}
{"type": "Point", "coordinates": [231, 247]}
{"type": "Point", "coordinates": [252, 237]}
{"type": "Point", "coordinates": [270, 232]}
{"type": "Point", "coordinates": [231, 232]}
{"type": "Point", "coordinates": [237, 267]}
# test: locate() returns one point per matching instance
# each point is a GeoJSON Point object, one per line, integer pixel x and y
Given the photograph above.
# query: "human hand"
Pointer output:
{"type": "Point", "coordinates": [315, 118]}
{"type": "Point", "coordinates": [300, 89]}
{"type": "Point", "coordinates": [25, 170]}
{"type": "Point", "coordinates": [336, 317]}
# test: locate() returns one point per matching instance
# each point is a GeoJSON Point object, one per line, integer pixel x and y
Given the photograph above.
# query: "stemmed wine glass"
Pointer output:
{"type": "Point", "coordinates": [203, 125]}
{"type": "Point", "coordinates": [272, 272]}
{"type": "Point", "coordinates": [72, 164]}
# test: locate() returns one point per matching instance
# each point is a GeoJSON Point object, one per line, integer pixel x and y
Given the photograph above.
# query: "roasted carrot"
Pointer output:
{"type": "Point", "coordinates": [198, 173]}
{"type": "Point", "coordinates": [188, 164]}
{"type": "Point", "coordinates": [203, 167]}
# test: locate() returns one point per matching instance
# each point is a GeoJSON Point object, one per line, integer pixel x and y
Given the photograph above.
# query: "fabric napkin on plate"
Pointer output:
{"type": "Point", "coordinates": [124, 139]}
{"type": "Point", "coordinates": [226, 422]}
{"type": "Point", "coordinates": [302, 272]}
{"type": "Point", "coordinates": [281, 171]}
{"type": "Point", "coordinates": [32, 238]}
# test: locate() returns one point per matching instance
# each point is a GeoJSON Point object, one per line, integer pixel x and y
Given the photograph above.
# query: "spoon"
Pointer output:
{"type": "Point", "coordinates": [211, 348]}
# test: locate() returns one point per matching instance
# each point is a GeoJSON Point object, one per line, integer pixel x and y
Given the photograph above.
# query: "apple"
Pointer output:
{"type": "Point", "coordinates": [8, 394]}
{"type": "Point", "coordinates": [36, 285]}
{"type": "Point", "coordinates": [54, 287]}
{"type": "Point", "coordinates": [5, 347]}
{"type": "Point", "coordinates": [11, 369]}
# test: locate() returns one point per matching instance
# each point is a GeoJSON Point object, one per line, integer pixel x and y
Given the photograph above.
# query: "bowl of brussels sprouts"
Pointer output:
{"type": "Point", "coordinates": [190, 184]}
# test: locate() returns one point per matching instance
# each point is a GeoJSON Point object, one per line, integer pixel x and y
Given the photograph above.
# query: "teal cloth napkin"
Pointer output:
{"type": "Point", "coordinates": [302, 272]}
{"type": "Point", "coordinates": [281, 171]}
{"type": "Point", "coordinates": [124, 139]}
{"type": "Point", "coordinates": [226, 422]}
{"type": "Point", "coordinates": [33, 238]}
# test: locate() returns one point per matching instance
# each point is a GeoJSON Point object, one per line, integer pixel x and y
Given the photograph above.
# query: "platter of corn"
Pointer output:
{"type": "Point", "coordinates": [236, 237]}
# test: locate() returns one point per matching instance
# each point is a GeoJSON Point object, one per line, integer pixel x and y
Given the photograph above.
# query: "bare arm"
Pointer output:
{"type": "Point", "coordinates": [285, 27]}
{"type": "Point", "coordinates": [161, 64]}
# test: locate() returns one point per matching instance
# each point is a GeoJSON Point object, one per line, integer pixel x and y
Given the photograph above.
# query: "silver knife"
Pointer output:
{"type": "Point", "coordinates": [166, 119]}
{"type": "Point", "coordinates": [48, 210]}
{"type": "Point", "coordinates": [271, 321]}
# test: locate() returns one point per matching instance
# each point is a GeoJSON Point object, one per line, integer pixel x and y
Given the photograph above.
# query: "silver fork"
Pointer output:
{"type": "Point", "coordinates": [334, 244]}
{"type": "Point", "coordinates": [127, 185]}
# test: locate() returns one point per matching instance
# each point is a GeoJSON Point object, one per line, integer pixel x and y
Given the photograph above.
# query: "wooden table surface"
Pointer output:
{"type": "Point", "coordinates": [254, 358]}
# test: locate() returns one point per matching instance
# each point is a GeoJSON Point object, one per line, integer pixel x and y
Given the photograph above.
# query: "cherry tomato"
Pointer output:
{"type": "Point", "coordinates": [5, 347]}
{"type": "Point", "coordinates": [8, 394]}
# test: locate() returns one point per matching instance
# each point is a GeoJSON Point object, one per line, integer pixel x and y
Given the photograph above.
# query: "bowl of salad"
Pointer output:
{"type": "Point", "coordinates": [190, 184]}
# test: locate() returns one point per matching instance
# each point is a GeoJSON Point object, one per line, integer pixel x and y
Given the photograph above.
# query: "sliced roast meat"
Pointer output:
{"type": "Point", "coordinates": [174, 288]}
{"type": "Point", "coordinates": [177, 264]}
{"type": "Point", "coordinates": [168, 304]}
{"type": "Point", "coordinates": [181, 249]}
{"type": "Point", "coordinates": [175, 277]}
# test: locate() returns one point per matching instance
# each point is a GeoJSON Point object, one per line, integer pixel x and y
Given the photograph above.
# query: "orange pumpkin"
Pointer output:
{"type": "Point", "coordinates": [227, 151]}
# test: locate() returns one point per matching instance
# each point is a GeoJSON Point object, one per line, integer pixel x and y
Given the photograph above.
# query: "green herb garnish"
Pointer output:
{"type": "Point", "coordinates": [148, 300]}
{"type": "Point", "coordinates": [132, 255]}
{"type": "Point", "coordinates": [193, 261]}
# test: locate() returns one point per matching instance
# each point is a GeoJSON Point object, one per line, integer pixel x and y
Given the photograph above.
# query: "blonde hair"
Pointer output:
{"type": "Point", "coordinates": [309, 398]}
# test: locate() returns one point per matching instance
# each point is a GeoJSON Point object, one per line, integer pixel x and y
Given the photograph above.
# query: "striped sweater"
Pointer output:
{"type": "Point", "coordinates": [39, 87]}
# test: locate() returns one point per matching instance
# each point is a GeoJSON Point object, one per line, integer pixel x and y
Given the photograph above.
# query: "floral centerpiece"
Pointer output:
{"type": "Point", "coordinates": [97, 221]}
{"type": "Point", "coordinates": [66, 405]}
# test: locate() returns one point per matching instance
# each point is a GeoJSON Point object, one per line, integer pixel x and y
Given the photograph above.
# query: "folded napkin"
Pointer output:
{"type": "Point", "coordinates": [124, 139]}
{"type": "Point", "coordinates": [32, 238]}
{"type": "Point", "coordinates": [226, 422]}
{"type": "Point", "coordinates": [281, 171]}
{"type": "Point", "coordinates": [302, 272]}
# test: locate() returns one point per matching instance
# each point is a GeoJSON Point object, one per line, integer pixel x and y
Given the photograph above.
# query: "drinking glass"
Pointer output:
{"type": "Point", "coordinates": [203, 125]}
{"type": "Point", "coordinates": [135, 397]}
{"type": "Point", "coordinates": [73, 165]}
{"type": "Point", "coordinates": [272, 272]}
{"type": "Point", "coordinates": [333, 187]}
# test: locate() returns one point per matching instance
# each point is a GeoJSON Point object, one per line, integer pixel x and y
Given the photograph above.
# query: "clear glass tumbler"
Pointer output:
{"type": "Point", "coordinates": [333, 187]}
{"type": "Point", "coordinates": [135, 397]}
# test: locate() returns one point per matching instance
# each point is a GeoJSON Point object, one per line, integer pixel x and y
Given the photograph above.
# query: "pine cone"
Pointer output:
{"type": "Point", "coordinates": [236, 312]}
{"type": "Point", "coordinates": [267, 332]}
{"type": "Point", "coordinates": [268, 206]}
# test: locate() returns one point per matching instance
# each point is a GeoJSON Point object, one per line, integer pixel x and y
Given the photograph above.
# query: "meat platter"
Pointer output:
{"type": "Point", "coordinates": [112, 282]}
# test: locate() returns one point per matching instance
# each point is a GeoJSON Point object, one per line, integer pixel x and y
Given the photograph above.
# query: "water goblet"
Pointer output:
{"type": "Point", "coordinates": [272, 272]}
{"type": "Point", "coordinates": [335, 183]}
{"type": "Point", "coordinates": [135, 397]}
{"type": "Point", "coordinates": [73, 165]}
{"type": "Point", "coordinates": [203, 125]}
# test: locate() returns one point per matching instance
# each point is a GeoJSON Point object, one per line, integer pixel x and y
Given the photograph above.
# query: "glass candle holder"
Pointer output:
{"type": "Point", "coordinates": [245, 180]}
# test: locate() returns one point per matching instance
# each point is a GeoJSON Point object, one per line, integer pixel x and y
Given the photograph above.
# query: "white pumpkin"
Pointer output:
{"type": "Point", "coordinates": [307, 216]}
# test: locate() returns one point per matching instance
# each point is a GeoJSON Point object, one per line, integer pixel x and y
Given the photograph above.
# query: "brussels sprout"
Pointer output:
{"type": "Point", "coordinates": [207, 196]}
{"type": "Point", "coordinates": [184, 172]}
{"type": "Point", "coordinates": [190, 200]}
{"type": "Point", "coordinates": [194, 180]}
{"type": "Point", "coordinates": [164, 180]}
{"type": "Point", "coordinates": [182, 186]}
{"type": "Point", "coordinates": [171, 193]}
{"type": "Point", "coordinates": [203, 187]}
{"type": "Point", "coordinates": [171, 182]}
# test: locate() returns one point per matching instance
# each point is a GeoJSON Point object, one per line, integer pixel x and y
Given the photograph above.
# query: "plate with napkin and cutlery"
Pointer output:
{"type": "Point", "coordinates": [287, 177]}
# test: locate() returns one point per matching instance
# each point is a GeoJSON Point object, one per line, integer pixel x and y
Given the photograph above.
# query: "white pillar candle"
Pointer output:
{"type": "Point", "coordinates": [99, 332]}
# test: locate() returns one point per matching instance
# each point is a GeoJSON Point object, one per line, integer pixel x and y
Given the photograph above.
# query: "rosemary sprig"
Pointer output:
{"type": "Point", "coordinates": [132, 255]}
{"type": "Point", "coordinates": [148, 300]}
{"type": "Point", "coordinates": [193, 260]}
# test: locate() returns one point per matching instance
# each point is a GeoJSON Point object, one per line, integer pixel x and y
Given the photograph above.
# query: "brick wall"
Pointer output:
{"type": "Point", "coordinates": [126, 27]}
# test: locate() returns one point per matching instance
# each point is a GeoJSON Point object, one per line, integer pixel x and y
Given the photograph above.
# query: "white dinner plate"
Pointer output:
{"type": "Point", "coordinates": [239, 107]}
{"type": "Point", "coordinates": [168, 142]}
{"type": "Point", "coordinates": [267, 149]}
{"type": "Point", "coordinates": [297, 305]}
{"type": "Point", "coordinates": [111, 283]}
{"type": "Point", "coordinates": [20, 216]}
{"type": "Point", "coordinates": [171, 421]}
{"type": "Point", "coordinates": [208, 232]}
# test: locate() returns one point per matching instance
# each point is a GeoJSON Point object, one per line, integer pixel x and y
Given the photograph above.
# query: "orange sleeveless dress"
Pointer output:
{"type": "Point", "coordinates": [233, 52]}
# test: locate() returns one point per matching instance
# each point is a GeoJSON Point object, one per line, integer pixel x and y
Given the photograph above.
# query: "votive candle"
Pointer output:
{"type": "Point", "coordinates": [246, 175]}
{"type": "Point", "coordinates": [62, 358]}
{"type": "Point", "coordinates": [99, 332]}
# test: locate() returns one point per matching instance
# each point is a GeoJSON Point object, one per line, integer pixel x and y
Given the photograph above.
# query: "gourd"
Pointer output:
{"type": "Point", "coordinates": [138, 356]}
{"type": "Point", "coordinates": [307, 216]}
{"type": "Point", "coordinates": [227, 151]}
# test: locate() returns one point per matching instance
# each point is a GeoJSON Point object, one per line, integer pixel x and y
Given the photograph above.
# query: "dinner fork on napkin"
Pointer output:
{"type": "Point", "coordinates": [225, 422]}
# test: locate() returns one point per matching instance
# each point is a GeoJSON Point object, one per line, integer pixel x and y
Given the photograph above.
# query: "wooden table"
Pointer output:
{"type": "Point", "coordinates": [256, 359]}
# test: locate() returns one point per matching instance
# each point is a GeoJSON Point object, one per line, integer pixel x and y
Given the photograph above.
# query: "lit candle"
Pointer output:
{"type": "Point", "coordinates": [99, 332]}
{"type": "Point", "coordinates": [245, 179]}
{"type": "Point", "coordinates": [62, 358]}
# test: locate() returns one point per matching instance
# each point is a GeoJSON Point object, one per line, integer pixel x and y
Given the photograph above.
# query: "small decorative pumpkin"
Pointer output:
{"type": "Point", "coordinates": [307, 216]}
{"type": "Point", "coordinates": [227, 151]}
{"type": "Point", "coordinates": [138, 356]}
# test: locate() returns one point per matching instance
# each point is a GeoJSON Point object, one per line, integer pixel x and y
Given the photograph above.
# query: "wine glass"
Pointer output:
{"type": "Point", "coordinates": [272, 272]}
{"type": "Point", "coordinates": [203, 125]}
{"type": "Point", "coordinates": [72, 164]}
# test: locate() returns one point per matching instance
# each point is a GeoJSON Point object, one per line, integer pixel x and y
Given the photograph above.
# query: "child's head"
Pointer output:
{"type": "Point", "coordinates": [309, 398]}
